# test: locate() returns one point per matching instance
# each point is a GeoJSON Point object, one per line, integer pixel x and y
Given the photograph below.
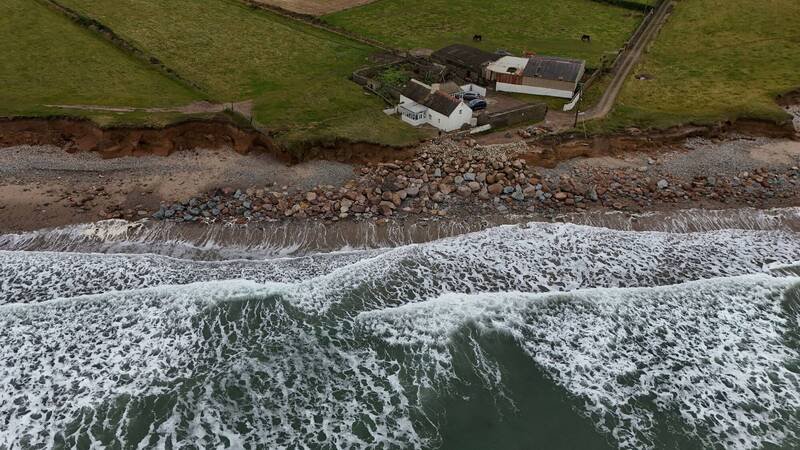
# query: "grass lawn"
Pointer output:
{"type": "Point", "coordinates": [296, 75]}
{"type": "Point", "coordinates": [715, 60]}
{"type": "Point", "coordinates": [46, 59]}
{"type": "Point", "coordinates": [552, 102]}
{"type": "Point", "coordinates": [542, 26]}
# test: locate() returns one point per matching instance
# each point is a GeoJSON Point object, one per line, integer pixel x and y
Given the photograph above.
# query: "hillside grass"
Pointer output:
{"type": "Point", "coordinates": [715, 60]}
{"type": "Point", "coordinates": [296, 75]}
{"type": "Point", "coordinates": [542, 26]}
{"type": "Point", "coordinates": [46, 59]}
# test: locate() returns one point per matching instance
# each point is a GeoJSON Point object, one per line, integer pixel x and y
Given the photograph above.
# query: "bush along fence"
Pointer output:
{"type": "Point", "coordinates": [386, 80]}
{"type": "Point", "coordinates": [366, 78]}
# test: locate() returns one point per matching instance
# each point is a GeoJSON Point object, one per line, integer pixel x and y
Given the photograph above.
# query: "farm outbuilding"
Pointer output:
{"type": "Point", "coordinates": [537, 75]}
{"type": "Point", "coordinates": [470, 62]}
{"type": "Point", "coordinates": [421, 104]}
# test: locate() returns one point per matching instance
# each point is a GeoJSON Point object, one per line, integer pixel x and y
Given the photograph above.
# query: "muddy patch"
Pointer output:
{"type": "Point", "coordinates": [787, 153]}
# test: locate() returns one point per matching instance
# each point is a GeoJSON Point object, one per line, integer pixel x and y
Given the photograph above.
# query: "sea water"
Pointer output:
{"type": "Point", "coordinates": [680, 334]}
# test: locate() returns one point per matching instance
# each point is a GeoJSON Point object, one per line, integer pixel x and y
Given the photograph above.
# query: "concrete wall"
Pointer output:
{"type": "Point", "coordinates": [551, 84]}
{"type": "Point", "coordinates": [533, 90]}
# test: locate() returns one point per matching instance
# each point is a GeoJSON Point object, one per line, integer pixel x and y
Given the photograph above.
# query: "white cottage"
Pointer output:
{"type": "Point", "coordinates": [421, 103]}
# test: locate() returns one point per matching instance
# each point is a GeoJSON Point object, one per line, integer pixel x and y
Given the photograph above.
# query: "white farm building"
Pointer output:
{"type": "Point", "coordinates": [537, 75]}
{"type": "Point", "coordinates": [421, 104]}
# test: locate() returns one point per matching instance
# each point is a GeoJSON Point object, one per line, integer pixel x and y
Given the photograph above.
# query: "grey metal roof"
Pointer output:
{"type": "Point", "coordinates": [465, 56]}
{"type": "Point", "coordinates": [554, 68]}
{"type": "Point", "coordinates": [437, 101]}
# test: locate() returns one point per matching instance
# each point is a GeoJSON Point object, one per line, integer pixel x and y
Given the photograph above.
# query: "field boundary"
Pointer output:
{"type": "Point", "coordinates": [627, 59]}
{"type": "Point", "coordinates": [320, 24]}
{"type": "Point", "coordinates": [633, 6]}
{"type": "Point", "coordinates": [123, 44]}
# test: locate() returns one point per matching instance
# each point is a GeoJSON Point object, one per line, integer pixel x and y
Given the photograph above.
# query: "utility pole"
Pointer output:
{"type": "Point", "coordinates": [578, 106]}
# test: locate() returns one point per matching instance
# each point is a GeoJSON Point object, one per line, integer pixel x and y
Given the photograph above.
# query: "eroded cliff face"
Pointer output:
{"type": "Point", "coordinates": [83, 135]}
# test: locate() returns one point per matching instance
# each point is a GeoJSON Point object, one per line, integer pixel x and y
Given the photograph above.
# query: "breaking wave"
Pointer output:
{"type": "Point", "coordinates": [710, 363]}
{"type": "Point", "coordinates": [553, 335]}
{"type": "Point", "coordinates": [260, 241]}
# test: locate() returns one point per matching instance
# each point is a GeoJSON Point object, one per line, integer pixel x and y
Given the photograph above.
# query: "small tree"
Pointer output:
{"type": "Point", "coordinates": [393, 77]}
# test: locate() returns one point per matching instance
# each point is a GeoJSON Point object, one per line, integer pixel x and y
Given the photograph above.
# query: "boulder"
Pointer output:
{"type": "Point", "coordinates": [464, 191]}
{"type": "Point", "coordinates": [495, 189]}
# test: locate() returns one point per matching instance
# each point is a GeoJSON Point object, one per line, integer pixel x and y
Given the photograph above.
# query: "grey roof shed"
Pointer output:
{"type": "Point", "coordinates": [554, 68]}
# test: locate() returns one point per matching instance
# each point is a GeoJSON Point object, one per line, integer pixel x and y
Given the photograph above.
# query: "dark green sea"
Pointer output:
{"type": "Point", "coordinates": [677, 333]}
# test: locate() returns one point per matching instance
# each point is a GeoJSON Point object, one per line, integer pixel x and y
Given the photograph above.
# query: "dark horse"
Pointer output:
{"type": "Point", "coordinates": [477, 38]}
{"type": "Point", "coordinates": [586, 38]}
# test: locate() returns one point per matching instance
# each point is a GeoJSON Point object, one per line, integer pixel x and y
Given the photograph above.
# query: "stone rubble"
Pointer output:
{"type": "Point", "coordinates": [452, 177]}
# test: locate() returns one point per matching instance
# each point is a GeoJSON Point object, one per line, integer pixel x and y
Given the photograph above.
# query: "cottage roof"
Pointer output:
{"type": "Point", "coordinates": [554, 68]}
{"type": "Point", "coordinates": [449, 88]}
{"type": "Point", "coordinates": [465, 56]}
{"type": "Point", "coordinates": [435, 100]}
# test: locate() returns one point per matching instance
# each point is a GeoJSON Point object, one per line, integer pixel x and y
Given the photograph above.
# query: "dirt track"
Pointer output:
{"type": "Point", "coordinates": [629, 60]}
{"type": "Point", "coordinates": [315, 7]}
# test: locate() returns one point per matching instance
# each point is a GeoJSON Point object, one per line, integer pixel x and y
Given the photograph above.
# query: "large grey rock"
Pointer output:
{"type": "Point", "coordinates": [464, 191]}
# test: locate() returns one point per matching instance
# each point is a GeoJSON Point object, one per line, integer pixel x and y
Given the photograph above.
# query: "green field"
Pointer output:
{"type": "Point", "coordinates": [702, 67]}
{"type": "Point", "coordinates": [542, 26]}
{"type": "Point", "coordinates": [46, 59]}
{"type": "Point", "coordinates": [296, 75]}
{"type": "Point", "coordinates": [715, 60]}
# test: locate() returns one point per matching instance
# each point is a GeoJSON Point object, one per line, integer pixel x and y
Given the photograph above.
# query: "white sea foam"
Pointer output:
{"type": "Point", "coordinates": [64, 358]}
{"type": "Point", "coordinates": [178, 358]}
{"type": "Point", "coordinates": [30, 277]}
{"type": "Point", "coordinates": [713, 353]}
{"type": "Point", "coordinates": [260, 241]}
{"type": "Point", "coordinates": [546, 257]}
{"type": "Point", "coordinates": [219, 241]}
{"type": "Point", "coordinates": [294, 356]}
{"type": "Point", "coordinates": [530, 258]}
